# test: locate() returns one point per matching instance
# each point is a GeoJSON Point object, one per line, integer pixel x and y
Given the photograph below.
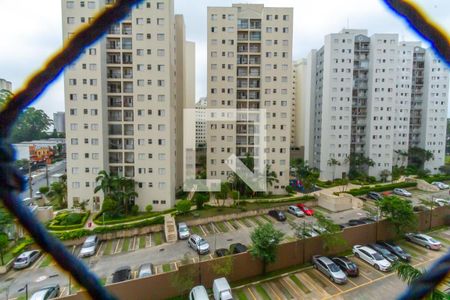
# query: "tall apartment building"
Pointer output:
{"type": "Point", "coordinates": [59, 121]}
{"type": "Point", "coordinates": [121, 103]}
{"type": "Point", "coordinates": [250, 68]}
{"type": "Point", "coordinates": [373, 96]}
{"type": "Point", "coordinates": [200, 122]}
{"type": "Point", "coordinates": [5, 85]}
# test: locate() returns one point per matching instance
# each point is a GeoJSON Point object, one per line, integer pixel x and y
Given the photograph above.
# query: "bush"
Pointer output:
{"type": "Point", "coordinates": [135, 210]}
{"type": "Point", "coordinates": [380, 188]}
{"type": "Point", "coordinates": [44, 190]}
{"type": "Point", "coordinates": [183, 206]}
{"type": "Point", "coordinates": [21, 247]}
{"type": "Point", "coordinates": [437, 177]}
{"type": "Point", "coordinates": [289, 189]}
{"type": "Point", "coordinates": [98, 220]}
{"type": "Point", "coordinates": [68, 221]}
{"type": "Point", "coordinates": [149, 208]}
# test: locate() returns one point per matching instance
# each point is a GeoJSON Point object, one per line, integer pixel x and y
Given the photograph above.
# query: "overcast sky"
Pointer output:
{"type": "Point", "coordinates": [31, 31]}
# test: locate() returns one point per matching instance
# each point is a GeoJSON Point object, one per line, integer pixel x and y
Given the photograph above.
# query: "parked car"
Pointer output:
{"type": "Point", "coordinates": [441, 202]}
{"type": "Point", "coordinates": [319, 229]}
{"type": "Point", "coordinates": [278, 215]}
{"type": "Point", "coordinates": [423, 240]}
{"type": "Point", "coordinates": [89, 246]}
{"type": "Point", "coordinates": [183, 231]}
{"type": "Point", "coordinates": [295, 211]}
{"type": "Point", "coordinates": [197, 243]}
{"type": "Point", "coordinates": [145, 270]}
{"type": "Point", "coordinates": [346, 265]}
{"type": "Point", "coordinates": [222, 252]}
{"type": "Point", "coordinates": [26, 259]}
{"type": "Point", "coordinates": [38, 195]}
{"type": "Point", "coordinates": [397, 250]}
{"type": "Point", "coordinates": [420, 208]}
{"type": "Point", "coordinates": [222, 289]}
{"type": "Point", "coordinates": [384, 252]}
{"type": "Point", "coordinates": [49, 292]}
{"type": "Point", "coordinates": [329, 269]}
{"type": "Point", "coordinates": [372, 257]}
{"type": "Point", "coordinates": [355, 222]}
{"type": "Point", "coordinates": [306, 210]}
{"type": "Point", "coordinates": [307, 233]}
{"type": "Point", "coordinates": [374, 196]}
{"type": "Point", "coordinates": [238, 248]}
{"type": "Point", "coordinates": [121, 274]}
{"type": "Point", "coordinates": [402, 192]}
{"type": "Point", "coordinates": [198, 293]}
{"type": "Point", "coordinates": [440, 185]}
{"type": "Point", "coordinates": [367, 220]}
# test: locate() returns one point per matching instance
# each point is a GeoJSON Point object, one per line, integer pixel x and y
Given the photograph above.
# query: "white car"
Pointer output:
{"type": "Point", "coordinates": [441, 202]}
{"type": "Point", "coordinates": [423, 240]}
{"type": "Point", "coordinates": [49, 292]}
{"type": "Point", "coordinates": [402, 192]}
{"type": "Point", "coordinates": [183, 231]}
{"type": "Point", "coordinates": [89, 246]}
{"type": "Point", "coordinates": [295, 211]}
{"type": "Point", "coordinates": [440, 185]}
{"type": "Point", "coordinates": [372, 257]}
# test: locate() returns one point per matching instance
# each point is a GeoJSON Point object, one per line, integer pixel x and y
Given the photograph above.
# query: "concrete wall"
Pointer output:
{"type": "Point", "coordinates": [246, 267]}
{"type": "Point", "coordinates": [425, 186]}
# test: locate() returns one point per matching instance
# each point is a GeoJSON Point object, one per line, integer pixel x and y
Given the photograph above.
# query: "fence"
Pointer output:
{"type": "Point", "coordinates": [246, 267]}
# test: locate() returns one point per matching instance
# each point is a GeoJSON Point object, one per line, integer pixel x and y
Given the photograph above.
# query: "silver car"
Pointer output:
{"type": "Point", "coordinates": [440, 185]}
{"type": "Point", "coordinates": [145, 270]}
{"type": "Point", "coordinates": [89, 246]}
{"type": "Point", "coordinates": [197, 243]}
{"type": "Point", "coordinates": [402, 192]}
{"type": "Point", "coordinates": [183, 231]}
{"type": "Point", "coordinates": [423, 240]}
{"type": "Point", "coordinates": [49, 292]}
{"type": "Point", "coordinates": [292, 209]}
{"type": "Point", "coordinates": [26, 259]}
{"type": "Point", "coordinates": [329, 268]}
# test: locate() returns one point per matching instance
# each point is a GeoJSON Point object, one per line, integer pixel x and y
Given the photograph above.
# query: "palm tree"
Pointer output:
{"type": "Point", "coordinates": [384, 175]}
{"type": "Point", "coordinates": [126, 191]}
{"type": "Point", "coordinates": [107, 182]}
{"type": "Point", "coordinates": [58, 193]}
{"type": "Point", "coordinates": [332, 162]}
{"type": "Point", "coordinates": [271, 176]}
{"type": "Point", "coordinates": [409, 274]}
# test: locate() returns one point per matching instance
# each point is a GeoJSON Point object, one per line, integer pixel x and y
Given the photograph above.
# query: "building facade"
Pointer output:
{"type": "Point", "coordinates": [200, 122]}
{"type": "Point", "coordinates": [121, 103]}
{"type": "Point", "coordinates": [59, 121]}
{"type": "Point", "coordinates": [5, 85]}
{"type": "Point", "coordinates": [372, 97]}
{"type": "Point", "coordinates": [250, 69]}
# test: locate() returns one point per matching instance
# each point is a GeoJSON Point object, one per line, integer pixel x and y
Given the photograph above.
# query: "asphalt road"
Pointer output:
{"type": "Point", "coordinates": [40, 179]}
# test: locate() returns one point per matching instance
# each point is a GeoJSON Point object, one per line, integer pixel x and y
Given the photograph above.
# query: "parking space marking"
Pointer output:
{"type": "Point", "coordinates": [149, 241]}
{"type": "Point", "coordinates": [327, 279]}
{"type": "Point", "coordinates": [100, 249]}
{"type": "Point", "coordinates": [270, 289]}
{"type": "Point", "coordinates": [311, 284]}
{"type": "Point", "coordinates": [214, 228]}
{"type": "Point", "coordinates": [368, 270]}
{"type": "Point", "coordinates": [290, 286]}
{"type": "Point", "coordinates": [118, 247]}
{"type": "Point", "coordinates": [202, 229]}
{"type": "Point", "coordinates": [251, 293]}
{"type": "Point", "coordinates": [230, 227]}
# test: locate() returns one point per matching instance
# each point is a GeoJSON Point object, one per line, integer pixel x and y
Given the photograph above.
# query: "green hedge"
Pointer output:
{"type": "Point", "coordinates": [78, 233]}
{"type": "Point", "coordinates": [98, 217]}
{"type": "Point", "coordinates": [53, 224]}
{"type": "Point", "coordinates": [437, 177]}
{"type": "Point", "coordinates": [379, 188]}
{"type": "Point", "coordinates": [297, 199]}
{"type": "Point", "coordinates": [21, 247]}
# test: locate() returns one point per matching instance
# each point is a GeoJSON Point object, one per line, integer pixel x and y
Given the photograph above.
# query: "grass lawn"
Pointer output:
{"type": "Point", "coordinates": [142, 242]}
{"type": "Point", "coordinates": [266, 218]}
{"type": "Point", "coordinates": [46, 261]}
{"type": "Point", "coordinates": [108, 247]}
{"type": "Point", "coordinates": [283, 289]}
{"type": "Point", "coordinates": [245, 222]}
{"type": "Point", "coordinates": [158, 238]}
{"type": "Point", "coordinates": [262, 292]}
{"type": "Point", "coordinates": [222, 227]}
{"type": "Point", "coordinates": [196, 230]}
{"type": "Point", "coordinates": [208, 228]}
{"type": "Point", "coordinates": [316, 278]}
{"type": "Point", "coordinates": [7, 257]}
{"type": "Point", "coordinates": [447, 159]}
{"type": "Point", "coordinates": [166, 268]}
{"type": "Point", "coordinates": [126, 245]}
{"type": "Point", "coordinates": [299, 284]}
{"type": "Point", "coordinates": [234, 224]}
{"type": "Point", "coordinates": [241, 295]}
{"type": "Point", "coordinates": [257, 221]}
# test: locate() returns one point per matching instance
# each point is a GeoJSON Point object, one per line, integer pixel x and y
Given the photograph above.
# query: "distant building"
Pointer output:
{"type": "Point", "coordinates": [59, 121]}
{"type": "Point", "coordinates": [200, 122]}
{"type": "Point", "coordinates": [5, 85]}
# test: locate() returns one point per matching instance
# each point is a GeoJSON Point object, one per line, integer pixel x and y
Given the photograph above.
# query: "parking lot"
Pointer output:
{"type": "Point", "coordinates": [312, 284]}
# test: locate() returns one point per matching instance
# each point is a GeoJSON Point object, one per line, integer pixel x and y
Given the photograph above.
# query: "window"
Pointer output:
{"type": "Point", "coordinates": [160, 21]}
{"type": "Point", "coordinates": [73, 111]}
{"type": "Point", "coordinates": [140, 21]}
{"type": "Point", "coordinates": [160, 5]}
{"type": "Point", "coordinates": [70, 4]}
{"type": "Point", "coordinates": [95, 156]}
{"type": "Point", "coordinates": [139, 36]}
{"type": "Point", "coordinates": [72, 82]}
{"type": "Point", "coordinates": [162, 156]}
{"type": "Point", "coordinates": [161, 52]}
{"type": "Point", "coordinates": [74, 141]}
{"type": "Point", "coordinates": [160, 36]}
{"type": "Point", "coordinates": [92, 51]}
{"type": "Point", "coordinates": [70, 20]}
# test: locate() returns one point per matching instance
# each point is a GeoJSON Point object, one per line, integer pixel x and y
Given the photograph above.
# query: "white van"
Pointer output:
{"type": "Point", "coordinates": [198, 293]}
{"type": "Point", "coordinates": [222, 290]}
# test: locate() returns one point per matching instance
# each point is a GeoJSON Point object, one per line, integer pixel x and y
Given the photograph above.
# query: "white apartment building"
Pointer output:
{"type": "Point", "coordinates": [121, 103]}
{"type": "Point", "coordinates": [373, 96]}
{"type": "Point", "coordinates": [59, 121]}
{"type": "Point", "coordinates": [200, 122]}
{"type": "Point", "coordinates": [250, 68]}
{"type": "Point", "coordinates": [5, 85]}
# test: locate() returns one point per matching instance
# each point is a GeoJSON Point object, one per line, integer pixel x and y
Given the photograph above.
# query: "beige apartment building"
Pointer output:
{"type": "Point", "coordinates": [122, 100]}
{"type": "Point", "coordinates": [5, 85]}
{"type": "Point", "coordinates": [250, 69]}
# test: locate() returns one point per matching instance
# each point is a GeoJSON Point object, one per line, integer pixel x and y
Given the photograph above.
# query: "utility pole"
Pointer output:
{"type": "Point", "coordinates": [46, 172]}
{"type": "Point", "coordinates": [30, 180]}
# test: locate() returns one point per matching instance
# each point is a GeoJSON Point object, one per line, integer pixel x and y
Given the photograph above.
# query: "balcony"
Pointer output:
{"type": "Point", "coordinates": [115, 116]}
{"type": "Point", "coordinates": [252, 95]}
{"type": "Point", "coordinates": [116, 171]}
{"type": "Point", "coordinates": [129, 157]}
{"type": "Point", "coordinates": [129, 144]}
{"type": "Point", "coordinates": [129, 171]}
{"type": "Point", "coordinates": [254, 71]}
{"type": "Point", "coordinates": [242, 24]}
{"type": "Point", "coordinates": [242, 83]}
{"type": "Point", "coordinates": [242, 72]}
{"type": "Point", "coordinates": [127, 58]}
{"type": "Point", "coordinates": [114, 87]}
{"type": "Point", "coordinates": [255, 60]}
{"type": "Point", "coordinates": [115, 158]}
{"type": "Point", "coordinates": [242, 59]}
{"type": "Point", "coordinates": [242, 36]}
{"type": "Point", "coordinates": [115, 144]}
{"type": "Point", "coordinates": [128, 129]}
{"type": "Point", "coordinates": [115, 129]}
{"type": "Point", "coordinates": [113, 73]}
{"type": "Point", "coordinates": [114, 29]}
{"type": "Point", "coordinates": [128, 101]}
{"type": "Point", "coordinates": [254, 83]}
{"type": "Point", "coordinates": [113, 59]}
{"type": "Point", "coordinates": [255, 36]}
{"type": "Point", "coordinates": [255, 24]}
{"type": "Point", "coordinates": [242, 48]}
{"type": "Point", "coordinates": [127, 43]}
{"type": "Point", "coordinates": [114, 102]}
{"type": "Point", "coordinates": [113, 44]}
{"type": "Point", "coordinates": [127, 29]}
{"type": "Point", "coordinates": [255, 48]}
{"type": "Point", "coordinates": [128, 115]}
{"type": "Point", "coordinates": [128, 87]}
{"type": "Point", "coordinates": [128, 73]}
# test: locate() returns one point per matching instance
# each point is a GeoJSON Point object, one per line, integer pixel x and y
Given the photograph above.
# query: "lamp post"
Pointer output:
{"type": "Point", "coordinates": [431, 210]}
{"type": "Point", "coordinates": [26, 291]}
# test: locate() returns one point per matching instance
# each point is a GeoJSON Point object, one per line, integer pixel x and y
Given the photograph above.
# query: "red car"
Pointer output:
{"type": "Point", "coordinates": [306, 210]}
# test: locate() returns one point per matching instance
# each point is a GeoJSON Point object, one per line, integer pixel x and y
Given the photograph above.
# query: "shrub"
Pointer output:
{"type": "Point", "coordinates": [380, 188]}
{"type": "Point", "coordinates": [183, 206]}
{"type": "Point", "coordinates": [44, 190]}
{"type": "Point", "coordinates": [149, 208]}
{"type": "Point", "coordinates": [289, 189]}
{"type": "Point", "coordinates": [135, 210]}
{"type": "Point", "coordinates": [99, 218]}
{"type": "Point", "coordinates": [68, 221]}
{"type": "Point", "coordinates": [21, 247]}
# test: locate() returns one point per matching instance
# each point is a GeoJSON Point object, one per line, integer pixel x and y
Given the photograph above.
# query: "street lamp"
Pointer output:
{"type": "Point", "coordinates": [26, 291]}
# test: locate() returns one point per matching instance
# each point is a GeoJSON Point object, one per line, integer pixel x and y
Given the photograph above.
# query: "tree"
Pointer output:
{"type": "Point", "coordinates": [409, 274]}
{"type": "Point", "coordinates": [200, 199]}
{"type": "Point", "coordinates": [125, 191]}
{"type": "Point", "coordinates": [265, 240]}
{"type": "Point", "coordinates": [418, 157]}
{"type": "Point", "coordinates": [332, 236]}
{"type": "Point", "coordinates": [223, 193]}
{"type": "Point", "coordinates": [110, 206]}
{"type": "Point", "coordinates": [399, 213]}
{"type": "Point", "coordinates": [237, 183]}
{"type": "Point", "coordinates": [4, 242]}
{"type": "Point", "coordinates": [271, 176]}
{"type": "Point", "coordinates": [107, 183]}
{"type": "Point", "coordinates": [402, 156]}
{"type": "Point", "coordinates": [183, 206]}
{"type": "Point", "coordinates": [307, 174]}
{"type": "Point", "coordinates": [384, 175]}
{"type": "Point", "coordinates": [149, 208]}
{"type": "Point", "coordinates": [58, 193]}
{"type": "Point", "coordinates": [358, 165]}
{"type": "Point", "coordinates": [332, 162]}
